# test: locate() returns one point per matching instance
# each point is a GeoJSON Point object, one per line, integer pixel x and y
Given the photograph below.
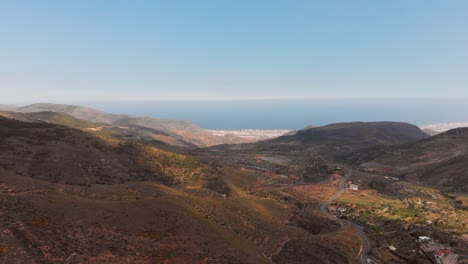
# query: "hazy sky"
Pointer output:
{"type": "Point", "coordinates": [152, 50]}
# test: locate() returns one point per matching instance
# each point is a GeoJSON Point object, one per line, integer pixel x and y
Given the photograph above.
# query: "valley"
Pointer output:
{"type": "Point", "coordinates": [72, 192]}
{"type": "Point", "coordinates": [233, 132]}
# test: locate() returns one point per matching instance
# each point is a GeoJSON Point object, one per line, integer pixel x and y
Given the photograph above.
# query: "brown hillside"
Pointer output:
{"type": "Point", "coordinates": [441, 160]}
{"type": "Point", "coordinates": [61, 154]}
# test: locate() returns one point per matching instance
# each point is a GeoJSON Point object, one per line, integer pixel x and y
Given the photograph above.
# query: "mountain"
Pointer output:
{"type": "Point", "coordinates": [81, 112]}
{"type": "Point", "coordinates": [356, 134]}
{"type": "Point", "coordinates": [441, 160]}
{"type": "Point", "coordinates": [132, 133]}
{"type": "Point", "coordinates": [68, 196]}
{"type": "Point", "coordinates": [61, 154]}
{"type": "Point", "coordinates": [59, 118]}
{"type": "Point", "coordinates": [173, 132]}
{"type": "Point", "coordinates": [8, 107]}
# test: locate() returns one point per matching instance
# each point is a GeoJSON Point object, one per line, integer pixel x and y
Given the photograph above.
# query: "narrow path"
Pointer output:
{"type": "Point", "coordinates": [323, 208]}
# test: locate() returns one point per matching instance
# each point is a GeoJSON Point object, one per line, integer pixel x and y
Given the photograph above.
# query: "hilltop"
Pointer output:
{"type": "Point", "coordinates": [362, 134]}
{"type": "Point", "coordinates": [339, 137]}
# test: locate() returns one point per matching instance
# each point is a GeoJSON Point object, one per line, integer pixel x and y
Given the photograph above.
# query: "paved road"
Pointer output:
{"type": "Point", "coordinates": [365, 242]}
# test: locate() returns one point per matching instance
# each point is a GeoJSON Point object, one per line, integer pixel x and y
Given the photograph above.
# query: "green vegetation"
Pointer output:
{"type": "Point", "coordinates": [405, 213]}
{"type": "Point", "coordinates": [396, 221]}
{"type": "Point", "coordinates": [171, 167]}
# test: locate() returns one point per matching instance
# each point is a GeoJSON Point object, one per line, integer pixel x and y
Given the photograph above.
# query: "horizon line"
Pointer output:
{"type": "Point", "coordinates": [225, 99]}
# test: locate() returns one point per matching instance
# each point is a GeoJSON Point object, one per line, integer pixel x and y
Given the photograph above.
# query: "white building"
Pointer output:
{"type": "Point", "coordinates": [424, 239]}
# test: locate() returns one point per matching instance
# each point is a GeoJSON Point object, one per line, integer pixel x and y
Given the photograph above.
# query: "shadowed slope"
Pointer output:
{"type": "Point", "coordinates": [61, 154]}
{"type": "Point", "coordinates": [359, 134]}
{"type": "Point", "coordinates": [441, 160]}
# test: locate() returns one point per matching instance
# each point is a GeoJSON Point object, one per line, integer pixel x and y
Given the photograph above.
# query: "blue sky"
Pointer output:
{"type": "Point", "coordinates": [222, 50]}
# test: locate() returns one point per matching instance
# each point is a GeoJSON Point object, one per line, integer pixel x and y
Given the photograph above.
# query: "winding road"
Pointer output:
{"type": "Point", "coordinates": [323, 208]}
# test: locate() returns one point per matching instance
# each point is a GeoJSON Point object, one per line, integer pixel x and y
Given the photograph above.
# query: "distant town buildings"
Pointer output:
{"type": "Point", "coordinates": [258, 134]}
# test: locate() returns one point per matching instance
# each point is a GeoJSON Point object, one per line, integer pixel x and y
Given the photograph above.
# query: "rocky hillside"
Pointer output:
{"type": "Point", "coordinates": [336, 138]}
{"type": "Point", "coordinates": [441, 160]}
{"type": "Point", "coordinates": [61, 154]}
{"type": "Point", "coordinates": [173, 132]}
{"type": "Point", "coordinates": [356, 134]}
{"type": "Point", "coordinates": [58, 118]}
{"type": "Point", "coordinates": [68, 196]}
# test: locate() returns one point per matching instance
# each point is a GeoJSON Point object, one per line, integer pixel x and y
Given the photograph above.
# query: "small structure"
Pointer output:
{"type": "Point", "coordinates": [354, 187]}
{"type": "Point", "coordinates": [392, 248]}
{"type": "Point", "coordinates": [341, 209]}
{"type": "Point", "coordinates": [424, 239]}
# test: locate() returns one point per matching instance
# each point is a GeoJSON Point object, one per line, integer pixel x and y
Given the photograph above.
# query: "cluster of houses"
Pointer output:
{"type": "Point", "coordinates": [438, 253]}
{"type": "Point", "coordinates": [340, 212]}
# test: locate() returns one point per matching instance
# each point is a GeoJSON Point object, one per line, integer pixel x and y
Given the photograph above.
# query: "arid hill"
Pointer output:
{"type": "Point", "coordinates": [173, 132]}
{"type": "Point", "coordinates": [61, 154]}
{"type": "Point", "coordinates": [441, 160]}
{"type": "Point", "coordinates": [361, 134]}
{"type": "Point", "coordinates": [68, 196]}
{"type": "Point", "coordinates": [58, 118]}
{"type": "Point", "coordinates": [339, 137]}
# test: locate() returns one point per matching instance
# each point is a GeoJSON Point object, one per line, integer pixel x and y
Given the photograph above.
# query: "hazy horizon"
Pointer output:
{"type": "Point", "coordinates": [241, 64]}
{"type": "Point", "coordinates": [290, 114]}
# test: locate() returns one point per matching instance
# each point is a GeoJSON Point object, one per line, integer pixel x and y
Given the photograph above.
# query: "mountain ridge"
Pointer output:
{"type": "Point", "coordinates": [192, 134]}
{"type": "Point", "coordinates": [347, 135]}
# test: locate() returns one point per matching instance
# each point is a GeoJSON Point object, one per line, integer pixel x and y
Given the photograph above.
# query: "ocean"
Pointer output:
{"type": "Point", "coordinates": [293, 114]}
